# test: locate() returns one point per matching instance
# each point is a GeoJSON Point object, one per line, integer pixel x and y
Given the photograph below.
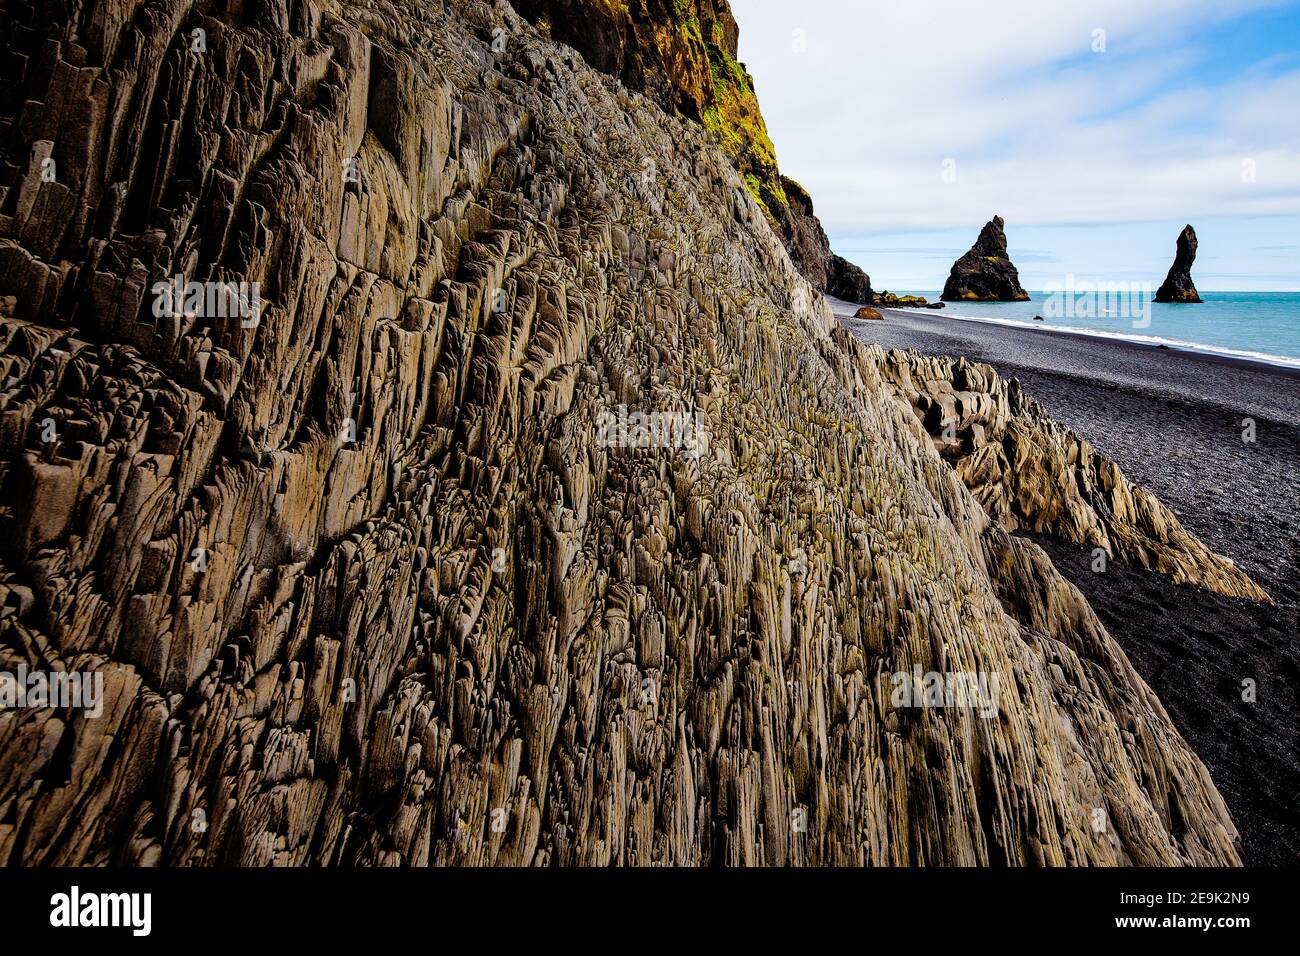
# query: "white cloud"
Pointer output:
{"type": "Point", "coordinates": [1042, 130]}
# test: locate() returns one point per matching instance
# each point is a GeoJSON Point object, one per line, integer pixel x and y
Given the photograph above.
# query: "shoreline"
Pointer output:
{"type": "Point", "coordinates": [1255, 389]}
{"type": "Point", "coordinates": [1219, 353]}
{"type": "Point", "coordinates": [1171, 419]}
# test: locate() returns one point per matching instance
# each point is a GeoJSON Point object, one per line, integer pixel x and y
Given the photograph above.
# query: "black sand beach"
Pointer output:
{"type": "Point", "coordinates": [1173, 420]}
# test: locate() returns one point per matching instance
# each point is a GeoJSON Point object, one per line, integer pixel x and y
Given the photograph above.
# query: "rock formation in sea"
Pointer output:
{"type": "Point", "coordinates": [433, 447]}
{"type": "Point", "coordinates": [891, 301]}
{"type": "Point", "coordinates": [985, 273]}
{"type": "Point", "coordinates": [1178, 285]}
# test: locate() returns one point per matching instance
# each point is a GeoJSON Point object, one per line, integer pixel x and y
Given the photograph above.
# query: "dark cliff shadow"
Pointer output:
{"type": "Point", "coordinates": [1196, 649]}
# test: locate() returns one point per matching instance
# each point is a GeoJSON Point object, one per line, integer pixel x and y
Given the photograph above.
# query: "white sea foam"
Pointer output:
{"type": "Point", "coordinates": [1282, 361]}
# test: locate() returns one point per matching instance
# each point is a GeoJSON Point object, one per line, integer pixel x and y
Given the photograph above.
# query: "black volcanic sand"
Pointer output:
{"type": "Point", "coordinates": [1173, 421]}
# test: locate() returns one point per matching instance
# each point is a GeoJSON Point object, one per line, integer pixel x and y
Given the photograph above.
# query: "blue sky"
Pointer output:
{"type": "Point", "coordinates": [1095, 129]}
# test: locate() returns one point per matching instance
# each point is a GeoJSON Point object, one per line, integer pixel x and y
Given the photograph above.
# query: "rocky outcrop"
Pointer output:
{"type": "Point", "coordinates": [985, 273]}
{"type": "Point", "coordinates": [889, 300]}
{"type": "Point", "coordinates": [1178, 285]}
{"type": "Point", "coordinates": [867, 312]}
{"type": "Point", "coordinates": [810, 250]}
{"type": "Point", "coordinates": [682, 54]}
{"type": "Point", "coordinates": [1032, 473]}
{"type": "Point", "coordinates": [847, 281]}
{"type": "Point", "coordinates": [539, 513]}
{"type": "Point", "coordinates": [803, 236]}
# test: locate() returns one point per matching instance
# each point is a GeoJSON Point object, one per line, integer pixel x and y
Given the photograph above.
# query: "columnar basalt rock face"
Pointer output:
{"type": "Point", "coordinates": [1032, 473]}
{"type": "Point", "coordinates": [985, 272]}
{"type": "Point", "coordinates": [1178, 285]}
{"type": "Point", "coordinates": [367, 578]}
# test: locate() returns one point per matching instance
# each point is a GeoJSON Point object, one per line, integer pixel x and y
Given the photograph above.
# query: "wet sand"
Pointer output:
{"type": "Point", "coordinates": [1173, 420]}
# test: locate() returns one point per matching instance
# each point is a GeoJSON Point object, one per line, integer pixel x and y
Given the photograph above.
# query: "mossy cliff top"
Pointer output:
{"type": "Point", "coordinates": [681, 53]}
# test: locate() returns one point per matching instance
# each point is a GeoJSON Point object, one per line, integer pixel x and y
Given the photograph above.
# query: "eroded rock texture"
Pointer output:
{"type": "Point", "coordinates": [1178, 285]}
{"type": "Point", "coordinates": [366, 584]}
{"type": "Point", "coordinates": [985, 272]}
{"type": "Point", "coordinates": [1032, 473]}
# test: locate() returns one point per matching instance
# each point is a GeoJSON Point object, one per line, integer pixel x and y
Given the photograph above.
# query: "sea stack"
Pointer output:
{"type": "Point", "coordinates": [985, 273]}
{"type": "Point", "coordinates": [1178, 285]}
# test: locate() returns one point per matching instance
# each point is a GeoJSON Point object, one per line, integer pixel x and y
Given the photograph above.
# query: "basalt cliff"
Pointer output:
{"type": "Point", "coordinates": [368, 573]}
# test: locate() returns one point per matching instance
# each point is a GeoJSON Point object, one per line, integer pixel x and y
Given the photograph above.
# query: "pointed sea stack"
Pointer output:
{"type": "Point", "coordinates": [985, 273]}
{"type": "Point", "coordinates": [1178, 285]}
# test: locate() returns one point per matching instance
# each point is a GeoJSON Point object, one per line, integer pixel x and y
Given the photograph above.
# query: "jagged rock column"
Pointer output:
{"type": "Point", "coordinates": [1178, 285]}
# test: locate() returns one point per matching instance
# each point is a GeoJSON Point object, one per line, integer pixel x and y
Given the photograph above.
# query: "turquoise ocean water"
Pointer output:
{"type": "Point", "coordinates": [1264, 326]}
